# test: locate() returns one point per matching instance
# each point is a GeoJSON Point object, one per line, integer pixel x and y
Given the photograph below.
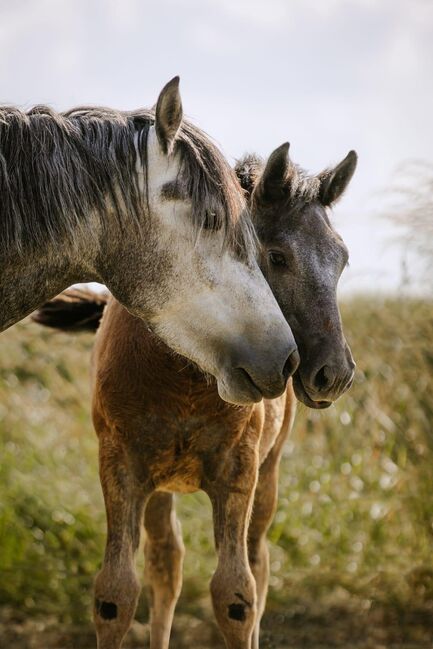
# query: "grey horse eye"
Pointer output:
{"type": "Point", "coordinates": [277, 258]}
{"type": "Point", "coordinates": [211, 221]}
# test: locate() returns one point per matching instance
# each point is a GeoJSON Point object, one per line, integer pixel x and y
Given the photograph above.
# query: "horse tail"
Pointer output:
{"type": "Point", "coordinates": [76, 309]}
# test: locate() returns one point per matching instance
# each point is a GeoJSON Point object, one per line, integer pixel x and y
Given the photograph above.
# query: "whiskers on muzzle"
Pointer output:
{"type": "Point", "coordinates": [341, 384]}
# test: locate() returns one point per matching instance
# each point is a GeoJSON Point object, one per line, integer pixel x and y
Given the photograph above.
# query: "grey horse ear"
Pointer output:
{"type": "Point", "coordinates": [334, 182]}
{"type": "Point", "coordinates": [274, 177]}
{"type": "Point", "coordinates": [168, 115]}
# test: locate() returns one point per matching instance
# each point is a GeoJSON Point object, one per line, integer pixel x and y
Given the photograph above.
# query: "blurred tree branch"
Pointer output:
{"type": "Point", "coordinates": [412, 212]}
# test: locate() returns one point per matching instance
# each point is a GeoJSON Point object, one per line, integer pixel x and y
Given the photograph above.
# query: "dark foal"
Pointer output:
{"type": "Point", "coordinates": [162, 427]}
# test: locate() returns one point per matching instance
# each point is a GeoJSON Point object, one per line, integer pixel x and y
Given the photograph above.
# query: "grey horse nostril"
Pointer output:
{"type": "Point", "coordinates": [324, 378]}
{"type": "Point", "coordinates": [291, 364]}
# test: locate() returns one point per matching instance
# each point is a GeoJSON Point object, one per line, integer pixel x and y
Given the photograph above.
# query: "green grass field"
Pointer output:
{"type": "Point", "coordinates": [354, 525]}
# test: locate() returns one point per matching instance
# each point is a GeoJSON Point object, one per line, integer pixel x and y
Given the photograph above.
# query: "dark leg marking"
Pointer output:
{"type": "Point", "coordinates": [107, 610]}
{"type": "Point", "coordinates": [237, 612]}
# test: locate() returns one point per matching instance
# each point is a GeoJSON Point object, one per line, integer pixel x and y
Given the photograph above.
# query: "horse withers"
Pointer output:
{"type": "Point", "coordinates": [145, 203]}
{"type": "Point", "coordinates": [163, 429]}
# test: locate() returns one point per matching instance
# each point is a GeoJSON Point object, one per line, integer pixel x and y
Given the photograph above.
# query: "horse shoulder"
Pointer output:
{"type": "Point", "coordinates": [121, 367]}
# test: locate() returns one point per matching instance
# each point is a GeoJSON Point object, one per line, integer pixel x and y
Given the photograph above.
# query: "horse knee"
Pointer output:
{"type": "Point", "coordinates": [234, 601]}
{"type": "Point", "coordinates": [116, 595]}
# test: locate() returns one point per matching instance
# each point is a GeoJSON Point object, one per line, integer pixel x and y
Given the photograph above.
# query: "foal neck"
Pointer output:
{"type": "Point", "coordinates": [134, 367]}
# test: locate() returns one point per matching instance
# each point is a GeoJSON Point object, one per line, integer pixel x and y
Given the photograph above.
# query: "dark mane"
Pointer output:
{"type": "Point", "coordinates": [56, 168]}
{"type": "Point", "coordinates": [301, 187]}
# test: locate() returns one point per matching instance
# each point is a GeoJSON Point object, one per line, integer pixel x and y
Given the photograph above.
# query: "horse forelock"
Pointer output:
{"type": "Point", "coordinates": [299, 185]}
{"type": "Point", "coordinates": [55, 168]}
{"type": "Point", "coordinates": [218, 201]}
{"type": "Point", "coordinates": [248, 170]}
{"type": "Point", "coordinates": [302, 186]}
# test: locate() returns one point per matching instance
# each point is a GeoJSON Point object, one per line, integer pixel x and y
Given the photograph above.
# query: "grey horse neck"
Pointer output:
{"type": "Point", "coordinates": [24, 284]}
{"type": "Point", "coordinates": [64, 181]}
{"type": "Point", "coordinates": [70, 192]}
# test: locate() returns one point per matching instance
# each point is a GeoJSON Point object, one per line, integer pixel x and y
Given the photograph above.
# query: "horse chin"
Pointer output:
{"type": "Point", "coordinates": [302, 395]}
{"type": "Point", "coordinates": [237, 388]}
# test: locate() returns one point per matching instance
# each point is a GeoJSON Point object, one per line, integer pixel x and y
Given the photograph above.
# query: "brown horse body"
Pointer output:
{"type": "Point", "coordinates": [162, 428]}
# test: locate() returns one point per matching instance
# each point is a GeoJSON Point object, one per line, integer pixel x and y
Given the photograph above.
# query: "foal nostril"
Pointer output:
{"type": "Point", "coordinates": [291, 364]}
{"type": "Point", "coordinates": [324, 378]}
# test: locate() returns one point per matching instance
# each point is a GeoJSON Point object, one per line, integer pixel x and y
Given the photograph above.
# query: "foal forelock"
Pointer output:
{"type": "Point", "coordinates": [300, 186]}
{"type": "Point", "coordinates": [58, 168]}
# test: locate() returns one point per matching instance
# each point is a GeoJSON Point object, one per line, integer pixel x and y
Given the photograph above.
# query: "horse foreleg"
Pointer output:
{"type": "Point", "coordinates": [233, 588]}
{"type": "Point", "coordinates": [116, 586]}
{"type": "Point", "coordinates": [265, 501]}
{"type": "Point", "coordinates": [164, 552]}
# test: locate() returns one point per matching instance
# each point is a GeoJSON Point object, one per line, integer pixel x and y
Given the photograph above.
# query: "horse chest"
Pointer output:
{"type": "Point", "coordinates": [183, 448]}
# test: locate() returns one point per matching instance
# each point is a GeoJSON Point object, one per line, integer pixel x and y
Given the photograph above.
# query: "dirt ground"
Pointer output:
{"type": "Point", "coordinates": [298, 629]}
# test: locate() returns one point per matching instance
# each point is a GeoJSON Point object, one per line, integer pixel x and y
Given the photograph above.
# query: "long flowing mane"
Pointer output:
{"type": "Point", "coordinates": [56, 168]}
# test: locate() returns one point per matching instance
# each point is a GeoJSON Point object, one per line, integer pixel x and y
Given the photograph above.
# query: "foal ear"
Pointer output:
{"type": "Point", "coordinates": [334, 182]}
{"type": "Point", "coordinates": [274, 177]}
{"type": "Point", "coordinates": [168, 115]}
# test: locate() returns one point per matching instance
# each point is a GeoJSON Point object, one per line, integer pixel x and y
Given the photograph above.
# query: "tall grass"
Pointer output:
{"type": "Point", "coordinates": [355, 514]}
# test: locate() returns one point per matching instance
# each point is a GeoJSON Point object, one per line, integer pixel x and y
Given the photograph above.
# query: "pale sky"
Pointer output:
{"type": "Point", "coordinates": [328, 75]}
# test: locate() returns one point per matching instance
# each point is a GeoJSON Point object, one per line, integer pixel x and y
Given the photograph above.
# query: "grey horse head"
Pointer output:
{"type": "Point", "coordinates": [302, 258]}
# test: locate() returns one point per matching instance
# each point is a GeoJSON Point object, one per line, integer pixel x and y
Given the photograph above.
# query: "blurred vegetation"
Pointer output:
{"type": "Point", "coordinates": [355, 514]}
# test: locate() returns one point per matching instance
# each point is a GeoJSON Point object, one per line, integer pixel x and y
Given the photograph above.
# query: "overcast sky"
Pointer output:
{"type": "Point", "coordinates": [328, 76]}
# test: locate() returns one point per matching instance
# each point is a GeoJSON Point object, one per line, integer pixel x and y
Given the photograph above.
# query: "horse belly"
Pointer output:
{"type": "Point", "coordinates": [182, 476]}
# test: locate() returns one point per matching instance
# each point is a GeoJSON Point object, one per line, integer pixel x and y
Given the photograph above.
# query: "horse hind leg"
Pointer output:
{"type": "Point", "coordinates": [116, 586]}
{"type": "Point", "coordinates": [233, 587]}
{"type": "Point", "coordinates": [164, 552]}
{"type": "Point", "coordinates": [265, 502]}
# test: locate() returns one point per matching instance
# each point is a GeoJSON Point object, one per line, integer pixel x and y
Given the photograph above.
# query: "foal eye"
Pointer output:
{"type": "Point", "coordinates": [277, 259]}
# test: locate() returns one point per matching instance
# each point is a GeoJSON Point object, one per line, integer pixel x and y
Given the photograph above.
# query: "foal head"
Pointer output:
{"type": "Point", "coordinates": [302, 258]}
